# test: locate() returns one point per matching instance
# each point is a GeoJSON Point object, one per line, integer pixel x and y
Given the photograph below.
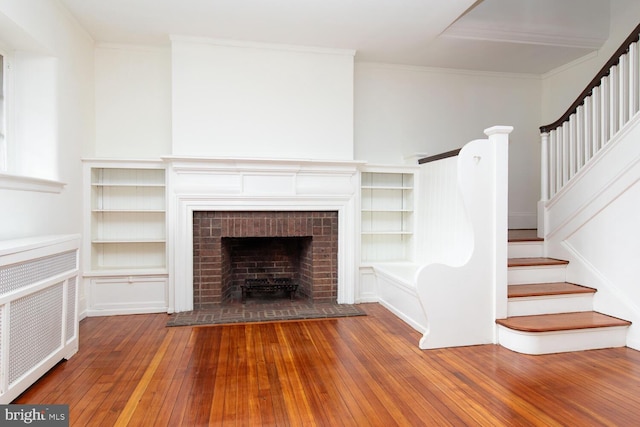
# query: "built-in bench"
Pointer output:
{"type": "Point", "coordinates": [397, 291]}
{"type": "Point", "coordinates": [269, 285]}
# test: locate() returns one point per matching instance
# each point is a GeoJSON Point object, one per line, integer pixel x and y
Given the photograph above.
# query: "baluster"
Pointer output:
{"type": "Point", "coordinates": [634, 91]}
{"type": "Point", "coordinates": [613, 102]}
{"type": "Point", "coordinates": [572, 145]}
{"type": "Point", "coordinates": [580, 147]}
{"type": "Point", "coordinates": [597, 119]}
{"type": "Point", "coordinates": [587, 128]}
{"type": "Point", "coordinates": [604, 112]}
{"type": "Point", "coordinates": [623, 91]}
{"type": "Point", "coordinates": [565, 153]}
{"type": "Point", "coordinates": [544, 166]}
{"type": "Point", "coordinates": [553, 163]}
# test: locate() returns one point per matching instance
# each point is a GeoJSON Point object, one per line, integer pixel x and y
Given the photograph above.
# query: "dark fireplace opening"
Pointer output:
{"type": "Point", "coordinates": [269, 260]}
{"type": "Point", "coordinates": [232, 246]}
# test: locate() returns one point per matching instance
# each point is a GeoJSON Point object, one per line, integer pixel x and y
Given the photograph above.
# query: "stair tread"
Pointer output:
{"type": "Point", "coordinates": [527, 235]}
{"type": "Point", "coordinates": [546, 289]}
{"type": "Point", "coordinates": [534, 261]}
{"type": "Point", "coordinates": [561, 322]}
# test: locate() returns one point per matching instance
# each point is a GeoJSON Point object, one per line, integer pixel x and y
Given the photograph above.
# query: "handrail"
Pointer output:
{"type": "Point", "coordinates": [606, 69]}
{"type": "Point", "coordinates": [608, 103]}
{"type": "Point", "coordinates": [440, 156]}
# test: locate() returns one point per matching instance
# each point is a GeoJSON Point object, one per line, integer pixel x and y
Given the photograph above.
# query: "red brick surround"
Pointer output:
{"type": "Point", "coordinates": [305, 249]}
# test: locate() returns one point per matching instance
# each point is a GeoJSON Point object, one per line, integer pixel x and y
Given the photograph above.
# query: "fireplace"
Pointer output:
{"type": "Point", "coordinates": [230, 247]}
{"type": "Point", "coordinates": [321, 191]}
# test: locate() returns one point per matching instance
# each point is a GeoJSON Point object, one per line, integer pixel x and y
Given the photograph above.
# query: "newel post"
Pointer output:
{"type": "Point", "coordinates": [544, 180]}
{"type": "Point", "coordinates": [499, 139]}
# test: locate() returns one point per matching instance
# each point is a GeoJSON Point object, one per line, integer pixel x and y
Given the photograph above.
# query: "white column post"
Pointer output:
{"type": "Point", "coordinates": [499, 139]}
{"type": "Point", "coordinates": [544, 180]}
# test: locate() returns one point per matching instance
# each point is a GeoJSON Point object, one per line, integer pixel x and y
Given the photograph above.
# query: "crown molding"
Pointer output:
{"type": "Point", "coordinates": [266, 46]}
{"type": "Point", "coordinates": [512, 35]}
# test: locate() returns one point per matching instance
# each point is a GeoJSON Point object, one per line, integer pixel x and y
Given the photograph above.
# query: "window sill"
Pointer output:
{"type": "Point", "coordinates": [27, 183]}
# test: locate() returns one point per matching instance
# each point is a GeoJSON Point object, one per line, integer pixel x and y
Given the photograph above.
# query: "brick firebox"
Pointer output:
{"type": "Point", "coordinates": [304, 246]}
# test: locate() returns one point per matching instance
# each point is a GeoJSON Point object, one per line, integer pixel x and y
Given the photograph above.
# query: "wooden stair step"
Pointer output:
{"type": "Point", "coordinates": [547, 289]}
{"type": "Point", "coordinates": [532, 262]}
{"type": "Point", "coordinates": [561, 322]}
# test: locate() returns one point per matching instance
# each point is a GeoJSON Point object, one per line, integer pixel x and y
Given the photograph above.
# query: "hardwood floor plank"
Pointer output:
{"type": "Point", "coordinates": [132, 370]}
{"type": "Point", "coordinates": [159, 390]}
{"type": "Point", "coordinates": [143, 384]}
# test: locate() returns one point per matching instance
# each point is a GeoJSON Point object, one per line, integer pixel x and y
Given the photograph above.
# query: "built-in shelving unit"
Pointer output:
{"type": "Point", "coordinates": [126, 234]}
{"type": "Point", "coordinates": [387, 220]}
{"type": "Point", "coordinates": [128, 219]}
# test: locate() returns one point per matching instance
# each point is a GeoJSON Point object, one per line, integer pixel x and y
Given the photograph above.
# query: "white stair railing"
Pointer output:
{"type": "Point", "coordinates": [602, 109]}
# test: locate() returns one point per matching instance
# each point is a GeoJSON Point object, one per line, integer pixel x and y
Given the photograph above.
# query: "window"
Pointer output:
{"type": "Point", "coordinates": [28, 113]}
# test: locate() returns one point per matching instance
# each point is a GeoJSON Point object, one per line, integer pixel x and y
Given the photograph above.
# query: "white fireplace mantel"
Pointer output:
{"type": "Point", "coordinates": [225, 184]}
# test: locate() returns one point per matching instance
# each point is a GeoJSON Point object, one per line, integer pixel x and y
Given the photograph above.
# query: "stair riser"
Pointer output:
{"type": "Point", "coordinates": [525, 249]}
{"type": "Point", "coordinates": [530, 306]}
{"type": "Point", "coordinates": [538, 274]}
{"type": "Point", "coordinates": [563, 341]}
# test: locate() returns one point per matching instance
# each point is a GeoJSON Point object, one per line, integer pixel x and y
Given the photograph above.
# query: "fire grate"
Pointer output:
{"type": "Point", "coordinates": [270, 285]}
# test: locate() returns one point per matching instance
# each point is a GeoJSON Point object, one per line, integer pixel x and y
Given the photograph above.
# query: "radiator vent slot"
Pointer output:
{"type": "Point", "coordinates": [71, 309]}
{"type": "Point", "coordinates": [35, 330]}
{"type": "Point", "coordinates": [17, 276]}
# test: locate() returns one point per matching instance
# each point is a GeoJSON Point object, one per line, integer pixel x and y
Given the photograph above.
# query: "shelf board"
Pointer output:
{"type": "Point", "coordinates": [388, 210]}
{"type": "Point", "coordinates": [129, 210]}
{"type": "Point", "coordinates": [106, 184]}
{"type": "Point", "coordinates": [110, 241]}
{"type": "Point", "coordinates": [385, 187]}
{"type": "Point", "coordinates": [373, 233]}
{"type": "Point", "coordinates": [126, 271]}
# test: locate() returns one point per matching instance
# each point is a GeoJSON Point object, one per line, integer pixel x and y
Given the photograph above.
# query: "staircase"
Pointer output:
{"type": "Point", "coordinates": [545, 314]}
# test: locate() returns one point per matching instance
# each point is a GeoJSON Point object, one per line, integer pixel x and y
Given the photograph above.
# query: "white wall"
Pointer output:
{"type": "Point", "coordinates": [562, 86]}
{"type": "Point", "coordinates": [67, 112]}
{"type": "Point", "coordinates": [133, 101]}
{"type": "Point", "coordinates": [249, 100]}
{"type": "Point", "coordinates": [400, 111]}
{"type": "Point", "coordinates": [615, 256]}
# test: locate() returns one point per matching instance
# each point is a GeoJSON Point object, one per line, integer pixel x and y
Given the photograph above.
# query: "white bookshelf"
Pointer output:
{"type": "Point", "coordinates": [128, 219]}
{"type": "Point", "coordinates": [125, 250]}
{"type": "Point", "coordinates": [387, 219]}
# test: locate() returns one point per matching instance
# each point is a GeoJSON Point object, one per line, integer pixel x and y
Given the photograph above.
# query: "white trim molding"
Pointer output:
{"type": "Point", "coordinates": [27, 183]}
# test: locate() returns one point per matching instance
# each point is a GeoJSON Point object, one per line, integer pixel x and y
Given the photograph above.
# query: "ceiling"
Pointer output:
{"type": "Point", "coordinates": [518, 36]}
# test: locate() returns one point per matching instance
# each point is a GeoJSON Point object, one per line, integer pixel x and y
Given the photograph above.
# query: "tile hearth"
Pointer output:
{"type": "Point", "coordinates": [263, 310]}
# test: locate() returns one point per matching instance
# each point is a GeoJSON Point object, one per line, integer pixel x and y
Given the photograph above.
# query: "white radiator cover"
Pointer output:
{"type": "Point", "coordinates": [38, 308]}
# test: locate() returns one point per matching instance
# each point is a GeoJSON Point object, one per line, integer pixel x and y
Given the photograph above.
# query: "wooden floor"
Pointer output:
{"type": "Point", "coordinates": [359, 371]}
